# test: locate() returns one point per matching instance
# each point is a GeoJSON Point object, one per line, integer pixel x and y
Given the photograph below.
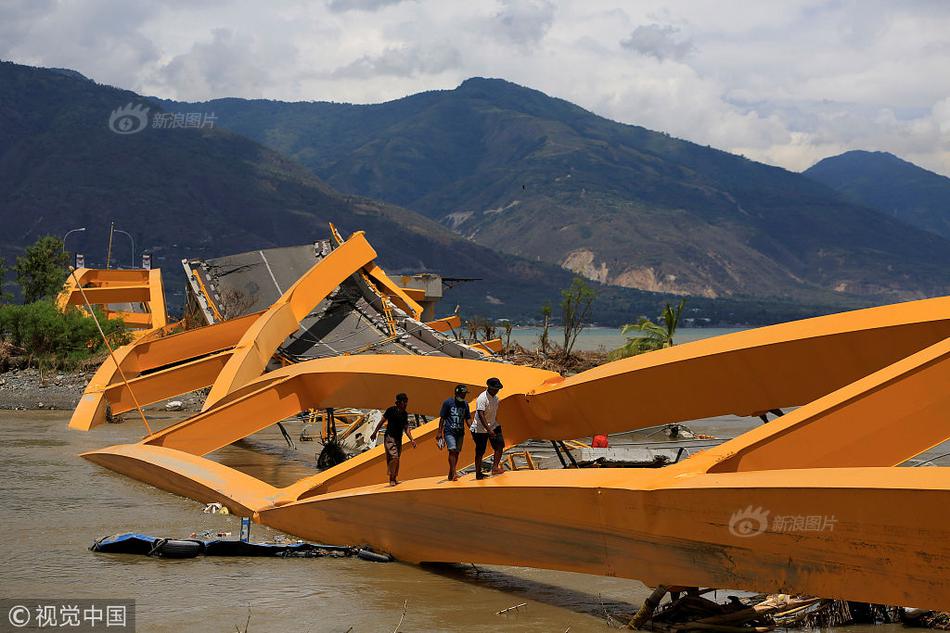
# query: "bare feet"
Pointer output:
{"type": "Point", "coordinates": [499, 471]}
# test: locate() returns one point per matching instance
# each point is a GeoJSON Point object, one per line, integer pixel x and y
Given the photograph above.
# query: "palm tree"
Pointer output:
{"type": "Point", "coordinates": [651, 335]}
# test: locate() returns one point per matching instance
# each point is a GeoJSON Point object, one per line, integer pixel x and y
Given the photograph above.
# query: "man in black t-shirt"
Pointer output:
{"type": "Point", "coordinates": [397, 421]}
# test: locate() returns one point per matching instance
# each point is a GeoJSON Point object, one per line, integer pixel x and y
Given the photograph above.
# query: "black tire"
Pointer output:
{"type": "Point", "coordinates": [177, 548]}
{"type": "Point", "coordinates": [372, 556]}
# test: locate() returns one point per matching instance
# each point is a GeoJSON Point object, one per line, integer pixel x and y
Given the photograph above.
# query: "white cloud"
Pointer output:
{"type": "Point", "coordinates": [662, 41]}
{"type": "Point", "coordinates": [786, 82]}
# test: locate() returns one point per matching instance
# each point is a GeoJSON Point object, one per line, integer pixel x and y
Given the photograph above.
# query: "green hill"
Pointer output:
{"type": "Point", "coordinates": [511, 168]}
{"type": "Point", "coordinates": [891, 185]}
{"type": "Point", "coordinates": [208, 192]}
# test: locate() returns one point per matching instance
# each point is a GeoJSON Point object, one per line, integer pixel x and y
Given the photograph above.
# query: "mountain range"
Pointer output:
{"type": "Point", "coordinates": [898, 188]}
{"type": "Point", "coordinates": [491, 181]}
{"type": "Point", "coordinates": [513, 169]}
{"type": "Point", "coordinates": [203, 192]}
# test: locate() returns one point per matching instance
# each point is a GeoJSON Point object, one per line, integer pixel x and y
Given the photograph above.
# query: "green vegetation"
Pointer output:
{"type": "Point", "coordinates": [882, 181]}
{"type": "Point", "coordinates": [50, 339]}
{"type": "Point", "coordinates": [576, 302]}
{"type": "Point", "coordinates": [650, 336]}
{"type": "Point", "coordinates": [42, 270]}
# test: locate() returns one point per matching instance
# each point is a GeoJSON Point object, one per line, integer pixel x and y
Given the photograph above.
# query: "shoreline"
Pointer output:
{"type": "Point", "coordinates": [28, 390]}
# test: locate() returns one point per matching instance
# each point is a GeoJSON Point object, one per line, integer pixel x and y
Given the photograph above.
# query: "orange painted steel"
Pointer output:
{"type": "Point", "coordinates": [489, 347]}
{"type": "Point", "coordinates": [446, 324]}
{"type": "Point", "coordinates": [757, 373]}
{"type": "Point", "coordinates": [257, 346]}
{"type": "Point", "coordinates": [364, 381]}
{"type": "Point", "coordinates": [164, 365]}
{"type": "Point", "coordinates": [393, 292]}
{"type": "Point", "coordinates": [808, 503]}
{"type": "Point", "coordinates": [889, 383]}
{"type": "Point", "coordinates": [890, 416]}
{"type": "Point", "coordinates": [886, 537]}
{"type": "Point", "coordinates": [109, 286]}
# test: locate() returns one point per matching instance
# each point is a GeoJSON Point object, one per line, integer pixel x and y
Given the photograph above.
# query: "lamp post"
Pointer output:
{"type": "Point", "coordinates": [129, 235]}
{"type": "Point", "coordinates": [67, 235]}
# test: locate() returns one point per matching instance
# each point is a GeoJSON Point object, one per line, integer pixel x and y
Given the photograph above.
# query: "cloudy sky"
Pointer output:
{"type": "Point", "coordinates": [787, 82]}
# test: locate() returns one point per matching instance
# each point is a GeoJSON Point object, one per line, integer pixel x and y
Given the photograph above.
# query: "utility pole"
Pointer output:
{"type": "Point", "coordinates": [109, 252]}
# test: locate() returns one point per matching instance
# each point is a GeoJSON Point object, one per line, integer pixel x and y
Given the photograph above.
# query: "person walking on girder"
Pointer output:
{"type": "Point", "coordinates": [486, 428]}
{"type": "Point", "coordinates": [397, 421]}
{"type": "Point", "coordinates": [455, 413]}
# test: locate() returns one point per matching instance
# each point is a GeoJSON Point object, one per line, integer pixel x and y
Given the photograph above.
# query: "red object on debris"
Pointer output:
{"type": "Point", "coordinates": [600, 441]}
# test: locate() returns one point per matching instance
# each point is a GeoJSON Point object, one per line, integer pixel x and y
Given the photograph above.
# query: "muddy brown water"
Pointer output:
{"type": "Point", "coordinates": [55, 504]}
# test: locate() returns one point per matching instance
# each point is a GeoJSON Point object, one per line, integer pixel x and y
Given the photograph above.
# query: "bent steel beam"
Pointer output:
{"type": "Point", "coordinates": [883, 419]}
{"type": "Point", "coordinates": [364, 381]}
{"type": "Point", "coordinates": [527, 411]}
{"type": "Point", "coordinates": [159, 355]}
{"type": "Point", "coordinates": [257, 346]}
{"type": "Point", "coordinates": [111, 286]}
{"type": "Point", "coordinates": [883, 534]}
{"type": "Point", "coordinates": [865, 423]}
{"type": "Point", "coordinates": [188, 475]}
{"type": "Point", "coordinates": [778, 366]}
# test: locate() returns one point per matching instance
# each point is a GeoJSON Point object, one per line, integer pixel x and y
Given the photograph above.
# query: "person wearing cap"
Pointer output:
{"type": "Point", "coordinates": [452, 420]}
{"type": "Point", "coordinates": [397, 421]}
{"type": "Point", "coordinates": [486, 428]}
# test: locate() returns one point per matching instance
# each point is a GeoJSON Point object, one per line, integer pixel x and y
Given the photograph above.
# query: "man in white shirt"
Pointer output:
{"type": "Point", "coordinates": [486, 428]}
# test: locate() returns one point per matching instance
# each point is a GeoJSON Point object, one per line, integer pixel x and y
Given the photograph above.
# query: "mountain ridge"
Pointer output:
{"type": "Point", "coordinates": [209, 192]}
{"type": "Point", "coordinates": [890, 184]}
{"type": "Point", "coordinates": [539, 177]}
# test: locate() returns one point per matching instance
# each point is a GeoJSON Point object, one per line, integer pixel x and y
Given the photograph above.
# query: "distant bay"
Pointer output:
{"type": "Point", "coordinates": [594, 338]}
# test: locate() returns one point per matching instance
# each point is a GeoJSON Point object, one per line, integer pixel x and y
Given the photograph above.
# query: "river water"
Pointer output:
{"type": "Point", "coordinates": [55, 504]}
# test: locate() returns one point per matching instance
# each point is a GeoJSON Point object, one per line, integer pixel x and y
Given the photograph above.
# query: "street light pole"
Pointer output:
{"type": "Point", "coordinates": [67, 235]}
{"type": "Point", "coordinates": [129, 235]}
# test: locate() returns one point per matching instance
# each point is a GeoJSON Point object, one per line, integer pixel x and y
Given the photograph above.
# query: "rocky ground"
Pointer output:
{"type": "Point", "coordinates": [28, 389]}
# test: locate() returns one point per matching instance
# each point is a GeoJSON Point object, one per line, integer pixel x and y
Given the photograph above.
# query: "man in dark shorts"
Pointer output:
{"type": "Point", "coordinates": [397, 421]}
{"type": "Point", "coordinates": [455, 413]}
{"type": "Point", "coordinates": [486, 428]}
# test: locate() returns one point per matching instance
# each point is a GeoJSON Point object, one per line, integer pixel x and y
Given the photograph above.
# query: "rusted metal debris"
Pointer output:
{"type": "Point", "coordinates": [690, 610]}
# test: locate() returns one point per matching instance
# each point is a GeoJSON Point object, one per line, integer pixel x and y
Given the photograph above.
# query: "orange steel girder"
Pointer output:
{"type": "Point", "coordinates": [257, 346]}
{"type": "Point", "coordinates": [872, 385]}
{"type": "Point", "coordinates": [111, 286]}
{"type": "Point", "coordinates": [158, 367]}
{"type": "Point", "coordinates": [879, 534]}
